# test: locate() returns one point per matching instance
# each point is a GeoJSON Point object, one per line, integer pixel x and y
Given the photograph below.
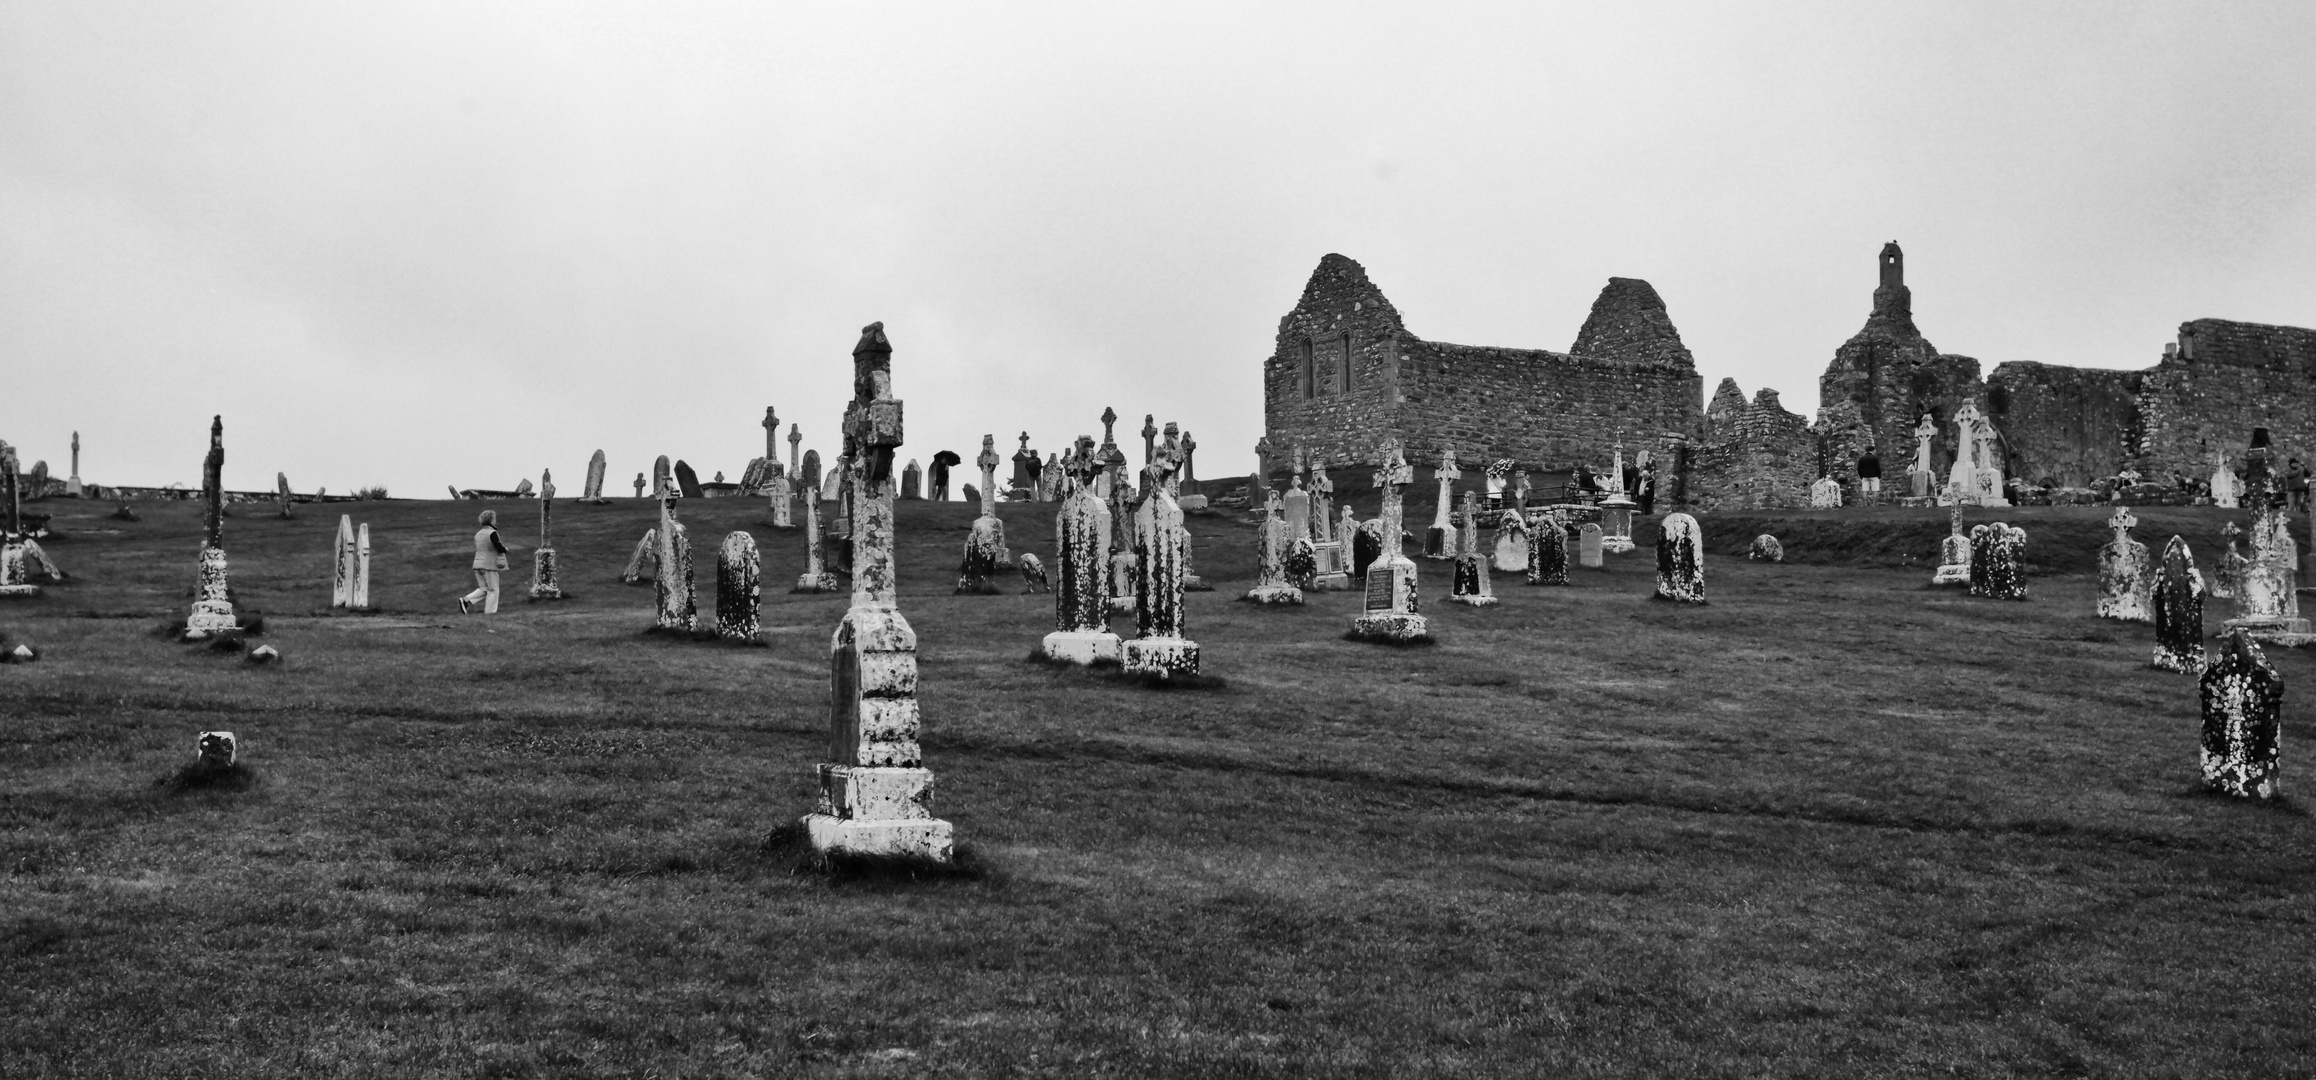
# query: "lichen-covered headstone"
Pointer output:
{"type": "Point", "coordinates": [1032, 569]}
{"type": "Point", "coordinates": [214, 750]}
{"type": "Point", "coordinates": [687, 481]}
{"type": "Point", "coordinates": [1825, 494]}
{"type": "Point", "coordinates": [1164, 651]}
{"type": "Point", "coordinates": [739, 587]}
{"type": "Point", "coordinates": [1081, 541]}
{"type": "Point", "coordinates": [810, 482]}
{"type": "Point", "coordinates": [1470, 585]}
{"type": "Point", "coordinates": [1272, 539]}
{"type": "Point", "coordinates": [342, 565]}
{"type": "Point", "coordinates": [1766, 549]}
{"type": "Point", "coordinates": [1680, 560]}
{"type": "Point", "coordinates": [1548, 551]}
{"type": "Point", "coordinates": [2267, 596]}
{"type": "Point", "coordinates": [1391, 606]}
{"type": "Point", "coordinates": [985, 554]}
{"type": "Point", "coordinates": [876, 796]}
{"type": "Point", "coordinates": [281, 493]}
{"type": "Point", "coordinates": [359, 598]}
{"type": "Point", "coordinates": [1512, 541]}
{"type": "Point", "coordinates": [213, 610]}
{"type": "Point", "coordinates": [2124, 578]}
{"type": "Point", "coordinates": [1954, 564]}
{"type": "Point", "coordinates": [2243, 701]}
{"type": "Point", "coordinates": [645, 562]}
{"type": "Point", "coordinates": [912, 481]}
{"type": "Point", "coordinates": [1588, 541]}
{"type": "Point", "coordinates": [2177, 610]}
{"type": "Point", "coordinates": [16, 549]}
{"type": "Point", "coordinates": [1998, 561]}
{"type": "Point", "coordinates": [672, 586]}
{"type": "Point", "coordinates": [816, 577]}
{"type": "Point", "coordinates": [543, 583]}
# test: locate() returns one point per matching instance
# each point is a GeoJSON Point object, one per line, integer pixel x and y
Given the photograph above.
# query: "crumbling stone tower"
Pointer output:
{"type": "Point", "coordinates": [1889, 375]}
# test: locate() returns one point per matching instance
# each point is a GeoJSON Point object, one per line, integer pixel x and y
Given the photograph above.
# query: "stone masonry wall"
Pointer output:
{"type": "Point", "coordinates": [1546, 410]}
{"type": "Point", "coordinates": [1311, 399]}
{"type": "Point", "coordinates": [2070, 425]}
{"type": "Point", "coordinates": [1766, 458]}
{"type": "Point", "coordinates": [2224, 379]}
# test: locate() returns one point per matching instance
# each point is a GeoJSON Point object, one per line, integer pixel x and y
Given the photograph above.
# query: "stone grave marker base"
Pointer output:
{"type": "Point", "coordinates": [1274, 594]}
{"type": "Point", "coordinates": [815, 583]}
{"type": "Point", "coordinates": [1076, 647]}
{"type": "Point", "coordinates": [1391, 626]}
{"type": "Point", "coordinates": [17, 592]}
{"type": "Point", "coordinates": [1162, 658]}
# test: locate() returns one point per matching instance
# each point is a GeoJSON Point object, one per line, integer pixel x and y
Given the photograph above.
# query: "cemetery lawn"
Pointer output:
{"type": "Point", "coordinates": [1835, 824]}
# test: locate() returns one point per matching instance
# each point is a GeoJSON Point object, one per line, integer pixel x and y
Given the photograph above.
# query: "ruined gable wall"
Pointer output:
{"type": "Point", "coordinates": [1765, 458]}
{"type": "Point", "coordinates": [1344, 417]}
{"type": "Point", "coordinates": [1546, 410]}
{"type": "Point", "coordinates": [2225, 379]}
{"type": "Point", "coordinates": [2071, 425]}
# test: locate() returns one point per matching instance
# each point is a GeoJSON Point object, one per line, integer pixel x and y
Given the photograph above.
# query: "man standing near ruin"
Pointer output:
{"type": "Point", "coordinates": [2296, 484]}
{"type": "Point", "coordinates": [490, 557]}
{"type": "Point", "coordinates": [1870, 477]}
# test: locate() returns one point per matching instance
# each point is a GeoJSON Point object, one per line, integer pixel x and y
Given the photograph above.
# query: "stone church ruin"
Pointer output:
{"type": "Point", "coordinates": [1346, 377]}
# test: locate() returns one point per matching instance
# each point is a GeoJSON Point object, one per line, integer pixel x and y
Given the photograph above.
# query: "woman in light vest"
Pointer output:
{"type": "Point", "coordinates": [490, 557]}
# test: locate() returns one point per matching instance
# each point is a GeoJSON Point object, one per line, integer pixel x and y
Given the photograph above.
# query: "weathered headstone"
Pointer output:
{"type": "Point", "coordinates": [1616, 507]}
{"type": "Point", "coordinates": [2243, 703]}
{"type": "Point", "coordinates": [18, 551]}
{"type": "Point", "coordinates": [663, 482]}
{"type": "Point", "coordinates": [1193, 494]}
{"type": "Point", "coordinates": [1164, 649]}
{"type": "Point", "coordinates": [2177, 610]}
{"type": "Point", "coordinates": [672, 586]}
{"type": "Point", "coordinates": [972, 493]}
{"type": "Point", "coordinates": [1439, 541]}
{"type": "Point", "coordinates": [985, 553]}
{"type": "Point", "coordinates": [1272, 539]}
{"type": "Point", "coordinates": [1766, 549]}
{"type": "Point", "coordinates": [1548, 550]}
{"type": "Point", "coordinates": [876, 796]}
{"type": "Point", "coordinates": [809, 484]}
{"type": "Point", "coordinates": [592, 493]}
{"type": "Point", "coordinates": [1366, 547]}
{"type": "Point", "coordinates": [832, 485]}
{"type": "Point", "coordinates": [1081, 541]}
{"type": "Point", "coordinates": [1391, 602]}
{"type": "Point", "coordinates": [1471, 585]}
{"type": "Point", "coordinates": [1680, 560]}
{"type": "Point", "coordinates": [213, 611]}
{"type": "Point", "coordinates": [216, 750]}
{"type": "Point", "coordinates": [523, 488]}
{"type": "Point", "coordinates": [543, 583]}
{"type": "Point", "coordinates": [1026, 466]}
{"type": "Point", "coordinates": [359, 600]}
{"type": "Point", "coordinates": [739, 587]}
{"type": "Point", "coordinates": [1588, 546]}
{"type": "Point", "coordinates": [1511, 542]}
{"type": "Point", "coordinates": [2124, 578]}
{"type": "Point", "coordinates": [1295, 509]}
{"type": "Point", "coordinates": [1825, 494]}
{"type": "Point", "coordinates": [342, 565]}
{"type": "Point", "coordinates": [281, 494]}
{"type": "Point", "coordinates": [912, 481]}
{"type": "Point", "coordinates": [645, 562]}
{"type": "Point", "coordinates": [1033, 579]}
{"type": "Point", "coordinates": [687, 481]}
{"type": "Point", "coordinates": [815, 578]}
{"type": "Point", "coordinates": [1953, 553]}
{"type": "Point", "coordinates": [1998, 561]}
{"type": "Point", "coordinates": [2266, 590]}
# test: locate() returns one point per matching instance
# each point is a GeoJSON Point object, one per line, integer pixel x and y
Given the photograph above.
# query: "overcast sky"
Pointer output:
{"type": "Point", "coordinates": [430, 244]}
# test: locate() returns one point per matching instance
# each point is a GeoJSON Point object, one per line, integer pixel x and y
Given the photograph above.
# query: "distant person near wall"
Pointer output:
{"type": "Point", "coordinates": [1870, 477]}
{"type": "Point", "coordinates": [2296, 484]}
{"type": "Point", "coordinates": [490, 557]}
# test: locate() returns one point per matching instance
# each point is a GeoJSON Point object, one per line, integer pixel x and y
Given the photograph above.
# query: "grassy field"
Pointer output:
{"type": "Point", "coordinates": [1835, 824]}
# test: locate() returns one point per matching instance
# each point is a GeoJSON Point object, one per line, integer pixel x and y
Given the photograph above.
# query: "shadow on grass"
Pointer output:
{"type": "Point", "coordinates": [788, 843]}
{"type": "Point", "coordinates": [705, 637]}
{"type": "Point", "coordinates": [2280, 804]}
{"type": "Point", "coordinates": [1424, 642]}
{"type": "Point", "coordinates": [1111, 671]}
{"type": "Point", "coordinates": [197, 776]}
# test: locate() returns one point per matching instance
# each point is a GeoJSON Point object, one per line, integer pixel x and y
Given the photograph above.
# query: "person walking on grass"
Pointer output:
{"type": "Point", "coordinates": [490, 557]}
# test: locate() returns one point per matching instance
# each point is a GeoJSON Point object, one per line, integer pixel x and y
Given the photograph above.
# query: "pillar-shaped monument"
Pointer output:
{"type": "Point", "coordinates": [1391, 603]}
{"type": "Point", "coordinates": [1471, 586]}
{"type": "Point", "coordinates": [1616, 507]}
{"type": "Point", "coordinates": [1439, 542]}
{"type": "Point", "coordinates": [72, 483]}
{"type": "Point", "coordinates": [342, 564]}
{"type": "Point", "coordinates": [543, 583]}
{"type": "Point", "coordinates": [1164, 651]}
{"type": "Point", "coordinates": [816, 577]}
{"type": "Point", "coordinates": [1273, 537]}
{"type": "Point", "coordinates": [876, 796]}
{"type": "Point", "coordinates": [213, 610]}
{"type": "Point", "coordinates": [1081, 544]}
{"type": "Point", "coordinates": [1953, 553]}
{"type": "Point", "coordinates": [985, 554]}
{"type": "Point", "coordinates": [592, 493]}
{"type": "Point", "coordinates": [672, 586]}
{"type": "Point", "coordinates": [281, 494]}
{"type": "Point", "coordinates": [2124, 577]}
{"type": "Point", "coordinates": [2267, 595]}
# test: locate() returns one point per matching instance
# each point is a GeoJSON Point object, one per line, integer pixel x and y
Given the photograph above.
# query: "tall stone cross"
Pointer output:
{"type": "Point", "coordinates": [546, 508]}
{"type": "Point", "coordinates": [1447, 474]}
{"type": "Point", "coordinates": [988, 463]}
{"type": "Point", "coordinates": [795, 453]}
{"type": "Point", "coordinates": [1391, 479]}
{"type": "Point", "coordinates": [771, 438]}
{"type": "Point", "coordinates": [1149, 439]}
{"type": "Point", "coordinates": [1262, 468]}
{"type": "Point", "coordinates": [2122, 522]}
{"type": "Point", "coordinates": [1189, 447]}
{"type": "Point", "coordinates": [1174, 451]}
{"type": "Point", "coordinates": [1923, 433]}
{"type": "Point", "coordinates": [1112, 461]}
{"type": "Point", "coordinates": [1615, 485]}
